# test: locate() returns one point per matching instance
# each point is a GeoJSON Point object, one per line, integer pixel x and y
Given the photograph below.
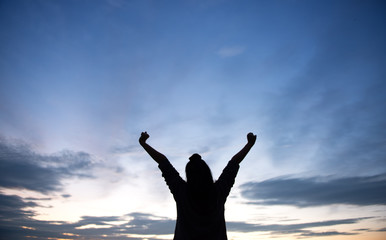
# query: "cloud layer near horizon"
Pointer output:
{"type": "Point", "coordinates": [306, 192]}
{"type": "Point", "coordinates": [18, 213]}
{"type": "Point", "coordinates": [17, 224]}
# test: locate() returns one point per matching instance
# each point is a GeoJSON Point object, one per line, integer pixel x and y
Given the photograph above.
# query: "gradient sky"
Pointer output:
{"type": "Point", "coordinates": [80, 80]}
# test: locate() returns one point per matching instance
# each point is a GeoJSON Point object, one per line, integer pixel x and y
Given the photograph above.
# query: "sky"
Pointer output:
{"type": "Point", "coordinates": [80, 81]}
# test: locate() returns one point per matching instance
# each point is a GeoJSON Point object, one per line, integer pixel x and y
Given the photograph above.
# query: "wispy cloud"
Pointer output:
{"type": "Point", "coordinates": [230, 51]}
{"type": "Point", "coordinates": [297, 228]}
{"type": "Point", "coordinates": [22, 168]}
{"type": "Point", "coordinates": [305, 192]}
{"type": "Point", "coordinates": [12, 207]}
{"type": "Point", "coordinates": [324, 234]}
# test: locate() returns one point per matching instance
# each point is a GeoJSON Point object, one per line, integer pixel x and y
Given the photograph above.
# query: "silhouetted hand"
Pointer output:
{"type": "Point", "coordinates": [143, 138]}
{"type": "Point", "coordinates": [251, 138]}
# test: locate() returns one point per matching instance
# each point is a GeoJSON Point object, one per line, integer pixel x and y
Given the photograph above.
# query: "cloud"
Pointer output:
{"type": "Point", "coordinates": [324, 234]}
{"type": "Point", "coordinates": [12, 207]}
{"type": "Point", "coordinates": [305, 192]}
{"type": "Point", "coordinates": [17, 224]}
{"type": "Point", "coordinates": [116, 3]}
{"type": "Point", "coordinates": [230, 51]}
{"type": "Point", "coordinates": [22, 168]}
{"type": "Point", "coordinates": [298, 228]}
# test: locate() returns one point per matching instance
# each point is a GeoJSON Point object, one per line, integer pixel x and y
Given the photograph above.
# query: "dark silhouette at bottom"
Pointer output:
{"type": "Point", "coordinates": [200, 201]}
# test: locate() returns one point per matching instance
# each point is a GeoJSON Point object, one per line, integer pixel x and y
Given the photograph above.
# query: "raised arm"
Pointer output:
{"type": "Point", "coordinates": [157, 156]}
{"type": "Point", "coordinates": [244, 151]}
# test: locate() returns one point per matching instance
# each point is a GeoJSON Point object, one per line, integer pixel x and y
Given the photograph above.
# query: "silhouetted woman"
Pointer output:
{"type": "Point", "coordinates": [200, 201]}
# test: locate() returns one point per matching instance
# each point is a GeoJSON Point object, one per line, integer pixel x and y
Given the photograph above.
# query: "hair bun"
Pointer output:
{"type": "Point", "coordinates": [195, 157]}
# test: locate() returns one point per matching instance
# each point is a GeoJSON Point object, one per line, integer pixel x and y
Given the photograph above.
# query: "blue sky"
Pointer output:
{"type": "Point", "coordinates": [80, 80]}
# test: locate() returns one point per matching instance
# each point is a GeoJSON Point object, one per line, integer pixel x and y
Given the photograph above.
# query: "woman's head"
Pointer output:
{"type": "Point", "coordinates": [198, 172]}
{"type": "Point", "coordinates": [200, 185]}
